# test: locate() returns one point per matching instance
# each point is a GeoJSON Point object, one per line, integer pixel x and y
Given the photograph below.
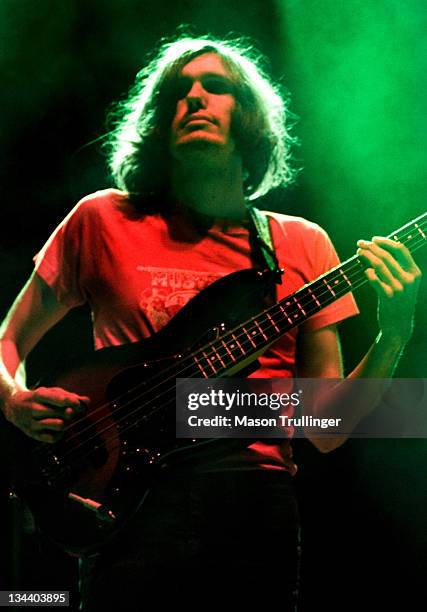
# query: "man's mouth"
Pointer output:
{"type": "Point", "coordinates": [196, 118]}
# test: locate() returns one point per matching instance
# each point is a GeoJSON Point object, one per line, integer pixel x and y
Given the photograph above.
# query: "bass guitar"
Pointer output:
{"type": "Point", "coordinates": [82, 489]}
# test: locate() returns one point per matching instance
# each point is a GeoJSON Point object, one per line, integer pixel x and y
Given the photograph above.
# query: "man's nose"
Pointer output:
{"type": "Point", "coordinates": [196, 96]}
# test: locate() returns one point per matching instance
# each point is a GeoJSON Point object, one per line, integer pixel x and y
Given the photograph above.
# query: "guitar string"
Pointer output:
{"type": "Point", "coordinates": [62, 470]}
{"type": "Point", "coordinates": [245, 341]}
{"type": "Point", "coordinates": [131, 426]}
{"type": "Point", "coordinates": [293, 309]}
{"type": "Point", "coordinates": [137, 410]}
{"type": "Point", "coordinates": [163, 380]}
{"type": "Point", "coordinates": [192, 364]}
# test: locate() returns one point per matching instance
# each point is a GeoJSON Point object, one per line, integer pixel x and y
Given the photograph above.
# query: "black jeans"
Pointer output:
{"type": "Point", "coordinates": [223, 536]}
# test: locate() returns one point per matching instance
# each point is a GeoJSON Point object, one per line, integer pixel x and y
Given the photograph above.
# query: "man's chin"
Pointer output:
{"type": "Point", "coordinates": [199, 139]}
{"type": "Point", "coordinates": [206, 144]}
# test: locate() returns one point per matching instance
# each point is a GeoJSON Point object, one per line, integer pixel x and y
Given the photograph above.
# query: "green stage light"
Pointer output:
{"type": "Point", "coordinates": [358, 71]}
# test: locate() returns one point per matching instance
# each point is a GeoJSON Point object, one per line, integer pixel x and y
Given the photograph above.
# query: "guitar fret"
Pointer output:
{"type": "Point", "coordinates": [249, 337]}
{"type": "Point", "coordinates": [285, 313]}
{"type": "Point", "coordinates": [224, 344]}
{"type": "Point", "coordinates": [314, 297]}
{"type": "Point", "coordinates": [200, 367]}
{"type": "Point", "coordinates": [420, 231]}
{"type": "Point", "coordinates": [259, 327]}
{"type": "Point", "coordinates": [299, 306]}
{"type": "Point", "coordinates": [294, 314]}
{"type": "Point", "coordinates": [219, 357]}
{"type": "Point", "coordinates": [216, 356]}
{"type": "Point", "coordinates": [343, 274]}
{"type": "Point", "coordinates": [273, 323]}
{"type": "Point", "coordinates": [209, 362]}
{"type": "Point", "coordinates": [329, 287]}
{"type": "Point", "coordinates": [238, 344]}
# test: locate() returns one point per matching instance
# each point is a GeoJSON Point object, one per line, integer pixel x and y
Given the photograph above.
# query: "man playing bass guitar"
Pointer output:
{"type": "Point", "coordinates": [201, 136]}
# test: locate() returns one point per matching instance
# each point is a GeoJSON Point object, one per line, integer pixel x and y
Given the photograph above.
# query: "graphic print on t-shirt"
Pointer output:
{"type": "Point", "coordinates": [169, 290]}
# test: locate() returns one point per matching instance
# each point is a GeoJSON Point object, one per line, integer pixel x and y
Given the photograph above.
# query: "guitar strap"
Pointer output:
{"type": "Point", "coordinates": [263, 242]}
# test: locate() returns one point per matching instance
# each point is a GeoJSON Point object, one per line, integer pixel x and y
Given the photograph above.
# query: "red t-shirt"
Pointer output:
{"type": "Point", "coordinates": [136, 271]}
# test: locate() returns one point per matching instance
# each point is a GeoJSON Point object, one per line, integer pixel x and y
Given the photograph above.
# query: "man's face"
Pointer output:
{"type": "Point", "coordinates": [205, 103]}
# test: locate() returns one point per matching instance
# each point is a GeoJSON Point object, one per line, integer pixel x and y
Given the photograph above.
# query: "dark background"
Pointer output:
{"type": "Point", "coordinates": [62, 63]}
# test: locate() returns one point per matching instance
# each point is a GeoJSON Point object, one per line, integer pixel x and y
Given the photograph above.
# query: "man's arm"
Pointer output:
{"type": "Point", "coordinates": [395, 276]}
{"type": "Point", "coordinates": [40, 413]}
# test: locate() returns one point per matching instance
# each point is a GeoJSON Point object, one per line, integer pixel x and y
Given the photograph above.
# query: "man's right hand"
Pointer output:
{"type": "Point", "coordinates": [43, 413]}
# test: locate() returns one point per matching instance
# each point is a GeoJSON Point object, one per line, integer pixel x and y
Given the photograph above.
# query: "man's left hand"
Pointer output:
{"type": "Point", "coordinates": [395, 277]}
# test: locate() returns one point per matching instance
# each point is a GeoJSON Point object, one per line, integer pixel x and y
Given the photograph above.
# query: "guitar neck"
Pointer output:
{"type": "Point", "coordinates": [237, 346]}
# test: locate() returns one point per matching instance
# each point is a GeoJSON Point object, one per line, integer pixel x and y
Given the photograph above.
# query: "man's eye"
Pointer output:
{"type": "Point", "coordinates": [181, 88]}
{"type": "Point", "coordinates": [217, 85]}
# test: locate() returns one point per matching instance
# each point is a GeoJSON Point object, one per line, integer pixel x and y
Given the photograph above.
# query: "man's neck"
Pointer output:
{"type": "Point", "coordinates": [215, 192]}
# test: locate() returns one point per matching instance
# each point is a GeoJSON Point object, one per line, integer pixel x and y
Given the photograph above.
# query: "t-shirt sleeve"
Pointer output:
{"type": "Point", "coordinates": [324, 258]}
{"type": "Point", "coordinates": [58, 263]}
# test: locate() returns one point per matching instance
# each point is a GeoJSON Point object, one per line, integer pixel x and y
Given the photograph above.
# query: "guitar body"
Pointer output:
{"type": "Point", "coordinates": [83, 488]}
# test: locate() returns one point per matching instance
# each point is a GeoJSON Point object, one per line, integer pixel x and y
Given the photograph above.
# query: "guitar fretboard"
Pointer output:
{"type": "Point", "coordinates": [236, 346]}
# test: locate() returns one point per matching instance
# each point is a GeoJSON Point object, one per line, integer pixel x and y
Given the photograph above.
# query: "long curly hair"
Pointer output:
{"type": "Point", "coordinates": [138, 141]}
